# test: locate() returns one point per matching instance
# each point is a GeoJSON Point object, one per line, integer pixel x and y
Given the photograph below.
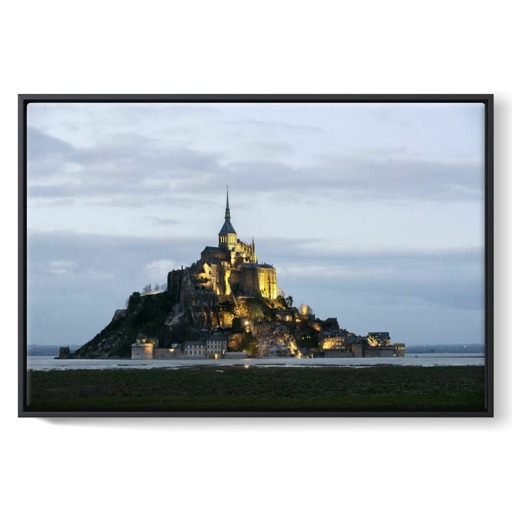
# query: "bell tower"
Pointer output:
{"type": "Point", "coordinates": [227, 234]}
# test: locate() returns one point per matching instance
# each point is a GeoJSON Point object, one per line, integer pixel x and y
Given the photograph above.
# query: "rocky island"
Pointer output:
{"type": "Point", "coordinates": [227, 304]}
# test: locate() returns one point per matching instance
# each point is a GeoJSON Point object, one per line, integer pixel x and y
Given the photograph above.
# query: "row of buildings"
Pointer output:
{"type": "Point", "coordinates": [214, 347]}
{"type": "Point", "coordinates": [339, 343]}
{"type": "Point", "coordinates": [333, 344]}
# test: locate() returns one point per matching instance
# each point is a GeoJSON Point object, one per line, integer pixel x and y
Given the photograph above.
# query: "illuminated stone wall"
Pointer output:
{"type": "Point", "coordinates": [245, 253]}
{"type": "Point", "coordinates": [167, 353]}
{"type": "Point", "coordinates": [142, 351]}
{"type": "Point", "coordinates": [255, 281]}
{"type": "Point", "coordinates": [267, 282]}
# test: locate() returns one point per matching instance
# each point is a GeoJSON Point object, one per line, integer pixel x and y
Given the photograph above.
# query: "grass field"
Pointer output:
{"type": "Point", "coordinates": [238, 389]}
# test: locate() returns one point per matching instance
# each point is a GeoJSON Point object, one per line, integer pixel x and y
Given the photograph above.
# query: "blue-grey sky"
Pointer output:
{"type": "Point", "coordinates": [372, 213]}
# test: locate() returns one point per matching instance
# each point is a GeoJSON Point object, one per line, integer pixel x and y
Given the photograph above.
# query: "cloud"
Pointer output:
{"type": "Point", "coordinates": [126, 169]}
{"type": "Point", "coordinates": [395, 178]}
{"type": "Point", "coordinates": [277, 127]}
{"type": "Point", "coordinates": [159, 221]}
{"type": "Point", "coordinates": [450, 278]}
{"type": "Point", "coordinates": [62, 267]}
{"type": "Point", "coordinates": [357, 179]}
{"type": "Point", "coordinates": [128, 260]}
{"type": "Point", "coordinates": [41, 146]}
{"type": "Point", "coordinates": [129, 169]}
{"type": "Point", "coordinates": [159, 269]}
{"type": "Point", "coordinates": [265, 149]}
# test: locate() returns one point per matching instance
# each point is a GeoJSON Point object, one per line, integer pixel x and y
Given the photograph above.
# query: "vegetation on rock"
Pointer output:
{"type": "Point", "coordinates": [144, 314]}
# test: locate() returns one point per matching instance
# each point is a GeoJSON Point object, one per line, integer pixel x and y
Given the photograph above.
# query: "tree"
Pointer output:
{"type": "Point", "coordinates": [289, 301]}
{"type": "Point", "coordinates": [146, 289]}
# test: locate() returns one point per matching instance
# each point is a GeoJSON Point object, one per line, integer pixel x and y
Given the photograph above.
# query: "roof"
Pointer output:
{"type": "Point", "coordinates": [215, 250]}
{"type": "Point", "coordinates": [227, 228]}
{"type": "Point", "coordinates": [256, 265]}
{"type": "Point", "coordinates": [214, 254]}
{"type": "Point", "coordinates": [194, 343]}
{"type": "Point", "coordinates": [218, 336]}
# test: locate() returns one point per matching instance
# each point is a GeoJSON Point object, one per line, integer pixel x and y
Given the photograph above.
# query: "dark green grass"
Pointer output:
{"type": "Point", "coordinates": [237, 389]}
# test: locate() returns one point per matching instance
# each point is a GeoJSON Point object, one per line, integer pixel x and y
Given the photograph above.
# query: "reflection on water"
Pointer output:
{"type": "Point", "coordinates": [49, 363]}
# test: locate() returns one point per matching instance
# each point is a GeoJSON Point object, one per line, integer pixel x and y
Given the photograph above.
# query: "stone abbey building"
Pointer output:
{"type": "Point", "coordinates": [224, 272]}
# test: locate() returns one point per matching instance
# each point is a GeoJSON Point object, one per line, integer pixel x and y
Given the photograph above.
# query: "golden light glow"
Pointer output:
{"type": "Point", "coordinates": [296, 352]}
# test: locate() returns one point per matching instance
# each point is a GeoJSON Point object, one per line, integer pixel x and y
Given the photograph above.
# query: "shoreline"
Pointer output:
{"type": "Point", "coordinates": [48, 363]}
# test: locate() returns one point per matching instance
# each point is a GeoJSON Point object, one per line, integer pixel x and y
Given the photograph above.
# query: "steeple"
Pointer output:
{"type": "Point", "coordinates": [227, 234]}
{"type": "Point", "coordinates": [228, 214]}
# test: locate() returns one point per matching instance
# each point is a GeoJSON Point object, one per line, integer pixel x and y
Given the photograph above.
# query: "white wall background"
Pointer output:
{"type": "Point", "coordinates": [259, 47]}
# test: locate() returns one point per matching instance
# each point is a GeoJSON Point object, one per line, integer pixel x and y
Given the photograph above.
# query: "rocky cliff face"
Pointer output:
{"type": "Point", "coordinates": [274, 339]}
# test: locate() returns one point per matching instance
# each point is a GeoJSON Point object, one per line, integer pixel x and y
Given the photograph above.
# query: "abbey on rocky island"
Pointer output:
{"type": "Point", "coordinates": [227, 304]}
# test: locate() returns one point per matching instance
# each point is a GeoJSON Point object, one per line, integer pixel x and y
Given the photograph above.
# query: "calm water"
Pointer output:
{"type": "Point", "coordinates": [49, 363]}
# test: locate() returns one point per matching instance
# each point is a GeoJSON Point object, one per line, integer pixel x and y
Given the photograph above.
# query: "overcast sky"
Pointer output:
{"type": "Point", "coordinates": [372, 213]}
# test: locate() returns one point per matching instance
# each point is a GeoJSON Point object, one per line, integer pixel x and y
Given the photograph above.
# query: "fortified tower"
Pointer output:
{"type": "Point", "coordinates": [227, 234]}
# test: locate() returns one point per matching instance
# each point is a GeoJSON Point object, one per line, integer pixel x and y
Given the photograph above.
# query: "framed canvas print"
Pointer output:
{"type": "Point", "coordinates": [255, 255]}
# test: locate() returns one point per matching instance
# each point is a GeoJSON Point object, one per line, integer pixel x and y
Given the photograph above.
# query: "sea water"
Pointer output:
{"type": "Point", "coordinates": [50, 363]}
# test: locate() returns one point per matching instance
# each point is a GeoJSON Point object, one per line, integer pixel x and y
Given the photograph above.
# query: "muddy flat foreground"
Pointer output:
{"type": "Point", "coordinates": [259, 389]}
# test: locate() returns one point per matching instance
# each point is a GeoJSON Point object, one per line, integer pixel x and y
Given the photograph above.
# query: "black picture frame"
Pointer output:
{"type": "Point", "coordinates": [25, 99]}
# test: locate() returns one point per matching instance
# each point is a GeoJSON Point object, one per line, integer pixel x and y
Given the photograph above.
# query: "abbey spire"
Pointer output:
{"type": "Point", "coordinates": [228, 214]}
{"type": "Point", "coordinates": [227, 234]}
{"type": "Point", "coordinates": [232, 267]}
